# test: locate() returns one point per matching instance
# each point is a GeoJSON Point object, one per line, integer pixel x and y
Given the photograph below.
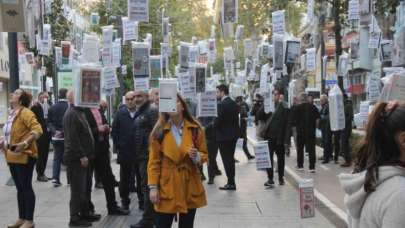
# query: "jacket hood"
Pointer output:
{"type": "Point", "coordinates": [353, 186]}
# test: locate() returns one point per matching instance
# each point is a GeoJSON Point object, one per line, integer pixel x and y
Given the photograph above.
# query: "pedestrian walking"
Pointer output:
{"type": "Point", "coordinates": [306, 119]}
{"type": "Point", "coordinates": [177, 148]}
{"type": "Point", "coordinates": [243, 116]}
{"type": "Point", "coordinates": [375, 192]}
{"type": "Point", "coordinates": [55, 122]}
{"type": "Point", "coordinates": [144, 121]}
{"type": "Point", "coordinates": [227, 133]}
{"type": "Point", "coordinates": [78, 156]}
{"type": "Point", "coordinates": [41, 109]}
{"type": "Point", "coordinates": [276, 134]}
{"type": "Point", "coordinates": [20, 132]}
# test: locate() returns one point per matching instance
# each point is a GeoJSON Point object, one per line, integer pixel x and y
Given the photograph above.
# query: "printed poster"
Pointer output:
{"type": "Point", "coordinates": [278, 21]}
{"type": "Point", "coordinates": [311, 59]}
{"type": "Point", "coordinates": [89, 92]}
{"type": "Point", "coordinates": [183, 55]}
{"type": "Point", "coordinates": [354, 10]}
{"type": "Point", "coordinates": [307, 198]}
{"type": "Point", "coordinates": [65, 80]}
{"type": "Point", "coordinates": [200, 75]}
{"type": "Point", "coordinates": [168, 95]}
{"type": "Point", "coordinates": [110, 80]}
{"type": "Point", "coordinates": [262, 155]}
{"type": "Point", "coordinates": [230, 11]}
{"type": "Point", "coordinates": [188, 83]}
{"type": "Point", "coordinates": [155, 70]}
{"type": "Point", "coordinates": [207, 104]}
{"type": "Point", "coordinates": [65, 45]}
{"type": "Point", "coordinates": [140, 56]}
{"type": "Point", "coordinates": [278, 52]}
{"type": "Point", "coordinates": [138, 10]}
{"type": "Point", "coordinates": [130, 29]}
{"type": "Point", "coordinates": [292, 52]}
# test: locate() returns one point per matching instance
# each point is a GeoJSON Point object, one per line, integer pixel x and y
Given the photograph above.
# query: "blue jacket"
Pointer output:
{"type": "Point", "coordinates": [123, 134]}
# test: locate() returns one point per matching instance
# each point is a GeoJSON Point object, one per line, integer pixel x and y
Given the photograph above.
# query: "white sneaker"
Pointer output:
{"type": "Point", "coordinates": [312, 170]}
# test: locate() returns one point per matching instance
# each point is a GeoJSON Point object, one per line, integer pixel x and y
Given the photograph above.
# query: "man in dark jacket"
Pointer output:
{"type": "Point", "coordinates": [276, 134]}
{"type": "Point", "coordinates": [102, 165]}
{"type": "Point", "coordinates": [306, 119]}
{"type": "Point", "coordinates": [212, 146]}
{"type": "Point", "coordinates": [39, 108]}
{"type": "Point", "coordinates": [243, 112]}
{"type": "Point", "coordinates": [123, 134]}
{"type": "Point", "coordinates": [347, 132]}
{"type": "Point", "coordinates": [79, 151]}
{"type": "Point", "coordinates": [145, 119]}
{"type": "Point", "coordinates": [227, 133]}
{"type": "Point", "coordinates": [324, 125]}
{"type": "Point", "coordinates": [55, 122]}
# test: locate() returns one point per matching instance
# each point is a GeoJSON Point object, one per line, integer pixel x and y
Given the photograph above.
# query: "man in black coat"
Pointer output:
{"type": "Point", "coordinates": [306, 119]}
{"type": "Point", "coordinates": [102, 165]}
{"type": "Point", "coordinates": [324, 125]}
{"type": "Point", "coordinates": [277, 135]}
{"type": "Point", "coordinates": [40, 109]}
{"type": "Point", "coordinates": [244, 111]}
{"type": "Point", "coordinates": [55, 122]}
{"type": "Point", "coordinates": [145, 119]}
{"type": "Point", "coordinates": [79, 152]}
{"type": "Point", "coordinates": [227, 133]}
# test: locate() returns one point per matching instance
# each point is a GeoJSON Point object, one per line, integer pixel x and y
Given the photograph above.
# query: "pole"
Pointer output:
{"type": "Point", "coordinates": [13, 61]}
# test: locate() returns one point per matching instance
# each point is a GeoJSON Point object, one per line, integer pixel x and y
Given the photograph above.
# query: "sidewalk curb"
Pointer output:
{"type": "Point", "coordinates": [336, 215]}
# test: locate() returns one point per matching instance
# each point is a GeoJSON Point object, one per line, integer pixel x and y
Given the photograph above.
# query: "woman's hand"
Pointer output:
{"type": "Point", "coordinates": [20, 147]}
{"type": "Point", "coordinates": [195, 156]}
{"type": "Point", "coordinates": [154, 196]}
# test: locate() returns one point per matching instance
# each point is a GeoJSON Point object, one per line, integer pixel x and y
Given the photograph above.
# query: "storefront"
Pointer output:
{"type": "Point", "coordinates": [4, 77]}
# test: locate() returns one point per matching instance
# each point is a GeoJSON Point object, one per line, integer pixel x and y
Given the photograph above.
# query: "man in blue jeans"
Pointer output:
{"type": "Point", "coordinates": [55, 121]}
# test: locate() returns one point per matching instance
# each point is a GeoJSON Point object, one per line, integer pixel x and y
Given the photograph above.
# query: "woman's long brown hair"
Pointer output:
{"type": "Point", "coordinates": [157, 131]}
{"type": "Point", "coordinates": [379, 145]}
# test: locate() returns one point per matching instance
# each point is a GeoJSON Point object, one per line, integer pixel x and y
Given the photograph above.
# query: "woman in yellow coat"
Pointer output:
{"type": "Point", "coordinates": [177, 149]}
{"type": "Point", "coordinates": [20, 133]}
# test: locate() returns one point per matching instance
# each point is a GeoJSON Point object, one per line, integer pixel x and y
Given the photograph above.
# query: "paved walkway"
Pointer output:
{"type": "Point", "coordinates": [250, 206]}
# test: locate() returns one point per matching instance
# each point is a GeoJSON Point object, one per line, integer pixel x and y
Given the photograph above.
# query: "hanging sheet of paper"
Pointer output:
{"type": "Point", "coordinates": [89, 87]}
{"type": "Point", "coordinates": [130, 29]}
{"type": "Point", "coordinates": [374, 41]}
{"type": "Point", "coordinates": [373, 86]}
{"type": "Point", "coordinates": [264, 77]}
{"type": "Point", "coordinates": [116, 53]}
{"type": "Point", "coordinates": [200, 76]}
{"type": "Point", "coordinates": [207, 104]}
{"type": "Point", "coordinates": [354, 10]}
{"type": "Point", "coordinates": [168, 95]}
{"type": "Point", "coordinates": [91, 49]}
{"type": "Point", "coordinates": [336, 109]}
{"type": "Point", "coordinates": [94, 18]}
{"type": "Point", "coordinates": [12, 17]}
{"type": "Point", "coordinates": [331, 76]}
{"type": "Point", "coordinates": [278, 21]}
{"type": "Point", "coordinates": [248, 47]}
{"type": "Point", "coordinates": [138, 10]}
{"type": "Point", "coordinates": [188, 83]}
{"type": "Point", "coordinates": [343, 65]}
{"type": "Point", "coordinates": [398, 50]}
{"type": "Point", "coordinates": [109, 78]}
{"type": "Point", "coordinates": [183, 54]}
{"type": "Point", "coordinates": [262, 155]}
{"type": "Point", "coordinates": [229, 56]}
{"type": "Point", "coordinates": [65, 80]}
{"type": "Point", "coordinates": [278, 52]}
{"type": "Point", "coordinates": [141, 65]}
{"type": "Point", "coordinates": [311, 59]}
{"type": "Point", "coordinates": [307, 198]}
{"type": "Point", "coordinates": [239, 32]}
{"type": "Point", "coordinates": [155, 70]}
{"type": "Point", "coordinates": [310, 10]}
{"type": "Point", "coordinates": [394, 87]}
{"type": "Point", "coordinates": [29, 56]}
{"type": "Point", "coordinates": [230, 11]}
{"type": "Point", "coordinates": [65, 55]}
{"type": "Point", "coordinates": [268, 100]}
{"type": "Point", "coordinates": [293, 51]}
{"type": "Point", "coordinates": [192, 56]}
{"type": "Point", "coordinates": [165, 29]}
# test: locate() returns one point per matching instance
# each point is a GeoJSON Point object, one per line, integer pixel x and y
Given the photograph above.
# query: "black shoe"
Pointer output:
{"type": "Point", "coordinates": [203, 178]}
{"type": "Point", "coordinates": [228, 187]}
{"type": "Point", "coordinates": [116, 184]}
{"type": "Point", "coordinates": [321, 158]}
{"type": "Point", "coordinates": [250, 157]}
{"type": "Point", "coordinates": [269, 183]}
{"type": "Point", "coordinates": [125, 206]}
{"type": "Point", "coordinates": [142, 224]}
{"type": "Point", "coordinates": [42, 178]}
{"type": "Point", "coordinates": [218, 172]}
{"type": "Point", "coordinates": [236, 160]}
{"type": "Point", "coordinates": [281, 181]}
{"type": "Point", "coordinates": [118, 211]}
{"type": "Point", "coordinates": [98, 185]}
{"type": "Point", "coordinates": [56, 184]}
{"type": "Point", "coordinates": [132, 189]}
{"type": "Point", "coordinates": [79, 223]}
{"type": "Point", "coordinates": [140, 206]}
{"type": "Point", "coordinates": [210, 181]}
{"type": "Point", "coordinates": [92, 217]}
{"type": "Point", "coordinates": [325, 162]}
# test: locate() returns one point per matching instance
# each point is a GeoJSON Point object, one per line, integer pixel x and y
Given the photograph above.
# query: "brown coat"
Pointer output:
{"type": "Point", "coordinates": [24, 124]}
{"type": "Point", "coordinates": [171, 169]}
